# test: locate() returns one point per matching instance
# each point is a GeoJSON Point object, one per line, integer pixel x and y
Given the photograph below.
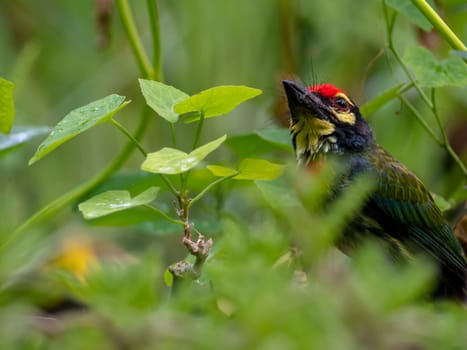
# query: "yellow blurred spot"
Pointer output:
{"type": "Point", "coordinates": [76, 255]}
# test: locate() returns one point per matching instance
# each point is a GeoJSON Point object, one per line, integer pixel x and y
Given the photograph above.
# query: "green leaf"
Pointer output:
{"type": "Point", "coordinates": [78, 121]}
{"type": "Point", "coordinates": [113, 201]}
{"type": "Point", "coordinates": [411, 12]}
{"type": "Point", "coordinates": [379, 101]}
{"type": "Point", "coordinates": [442, 203]}
{"type": "Point", "coordinates": [128, 217]}
{"type": "Point", "coordinates": [19, 135]}
{"type": "Point", "coordinates": [173, 161]}
{"type": "Point", "coordinates": [7, 106]}
{"type": "Point", "coordinates": [250, 169]}
{"type": "Point", "coordinates": [215, 102]}
{"type": "Point", "coordinates": [277, 195]}
{"type": "Point", "coordinates": [162, 98]}
{"type": "Point", "coordinates": [431, 72]}
{"type": "Point", "coordinates": [260, 142]}
{"type": "Point", "coordinates": [221, 171]}
{"type": "Point", "coordinates": [259, 169]}
{"type": "Point", "coordinates": [168, 278]}
{"type": "Point", "coordinates": [460, 194]}
{"type": "Point", "coordinates": [278, 137]}
{"type": "Point", "coordinates": [249, 145]}
{"type": "Point", "coordinates": [134, 181]}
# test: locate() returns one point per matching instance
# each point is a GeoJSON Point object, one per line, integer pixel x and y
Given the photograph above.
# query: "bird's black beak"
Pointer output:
{"type": "Point", "coordinates": [295, 92]}
{"type": "Point", "coordinates": [301, 101]}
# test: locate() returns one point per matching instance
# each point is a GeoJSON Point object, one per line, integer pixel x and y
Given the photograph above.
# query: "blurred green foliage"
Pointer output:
{"type": "Point", "coordinates": [255, 292]}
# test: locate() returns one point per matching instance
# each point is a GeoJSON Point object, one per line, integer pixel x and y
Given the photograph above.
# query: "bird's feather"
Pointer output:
{"type": "Point", "coordinates": [407, 204]}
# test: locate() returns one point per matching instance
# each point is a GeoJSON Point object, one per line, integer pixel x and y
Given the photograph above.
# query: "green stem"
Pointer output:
{"type": "Point", "coordinates": [169, 185]}
{"type": "Point", "coordinates": [172, 135]}
{"type": "Point", "coordinates": [208, 187]}
{"type": "Point", "coordinates": [422, 121]}
{"type": "Point", "coordinates": [408, 73]}
{"type": "Point", "coordinates": [198, 130]}
{"type": "Point", "coordinates": [437, 118]}
{"type": "Point", "coordinates": [439, 25]}
{"type": "Point", "coordinates": [134, 39]}
{"type": "Point", "coordinates": [144, 153]}
{"type": "Point", "coordinates": [164, 215]}
{"type": "Point", "coordinates": [156, 39]}
{"type": "Point", "coordinates": [446, 143]}
{"type": "Point", "coordinates": [184, 176]}
{"type": "Point", "coordinates": [127, 134]}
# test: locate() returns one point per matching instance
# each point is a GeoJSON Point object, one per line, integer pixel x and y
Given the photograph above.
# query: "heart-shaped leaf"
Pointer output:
{"type": "Point", "coordinates": [162, 98]}
{"type": "Point", "coordinates": [78, 121]}
{"type": "Point", "coordinates": [250, 169]}
{"type": "Point", "coordinates": [215, 101]}
{"type": "Point", "coordinates": [173, 161]}
{"type": "Point", "coordinates": [113, 201]}
{"type": "Point", "coordinates": [7, 107]}
{"type": "Point", "coordinates": [431, 72]}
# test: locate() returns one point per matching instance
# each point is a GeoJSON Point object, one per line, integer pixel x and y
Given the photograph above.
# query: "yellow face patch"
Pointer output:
{"type": "Point", "coordinates": [307, 132]}
{"type": "Point", "coordinates": [344, 116]}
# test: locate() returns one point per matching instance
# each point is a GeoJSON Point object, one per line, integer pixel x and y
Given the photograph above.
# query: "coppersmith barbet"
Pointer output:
{"type": "Point", "coordinates": [326, 122]}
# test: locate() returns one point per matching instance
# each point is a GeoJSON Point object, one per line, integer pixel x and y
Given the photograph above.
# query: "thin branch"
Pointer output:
{"type": "Point", "coordinates": [198, 130]}
{"type": "Point", "coordinates": [422, 121]}
{"type": "Point", "coordinates": [169, 185]}
{"type": "Point", "coordinates": [208, 187]}
{"type": "Point", "coordinates": [172, 135]}
{"type": "Point", "coordinates": [164, 215]}
{"type": "Point", "coordinates": [127, 134]}
{"type": "Point", "coordinates": [447, 145]}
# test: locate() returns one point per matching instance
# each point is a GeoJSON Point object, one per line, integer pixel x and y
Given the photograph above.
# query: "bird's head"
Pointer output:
{"type": "Point", "coordinates": [324, 120]}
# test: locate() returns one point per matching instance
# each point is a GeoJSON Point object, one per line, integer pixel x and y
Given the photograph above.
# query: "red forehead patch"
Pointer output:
{"type": "Point", "coordinates": [327, 90]}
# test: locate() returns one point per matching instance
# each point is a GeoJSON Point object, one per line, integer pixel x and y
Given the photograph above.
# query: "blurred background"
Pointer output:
{"type": "Point", "coordinates": [64, 54]}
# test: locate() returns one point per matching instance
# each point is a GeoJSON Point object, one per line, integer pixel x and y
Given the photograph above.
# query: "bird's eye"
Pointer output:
{"type": "Point", "coordinates": [341, 103]}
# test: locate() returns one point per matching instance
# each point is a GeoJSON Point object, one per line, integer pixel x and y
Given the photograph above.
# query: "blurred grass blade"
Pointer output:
{"type": "Point", "coordinates": [379, 101]}
{"type": "Point", "coordinates": [78, 121]}
{"type": "Point", "coordinates": [19, 135]}
{"type": "Point", "coordinates": [7, 106]}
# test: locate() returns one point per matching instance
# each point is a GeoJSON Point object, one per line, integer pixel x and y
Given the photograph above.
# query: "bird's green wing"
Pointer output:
{"type": "Point", "coordinates": [402, 197]}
